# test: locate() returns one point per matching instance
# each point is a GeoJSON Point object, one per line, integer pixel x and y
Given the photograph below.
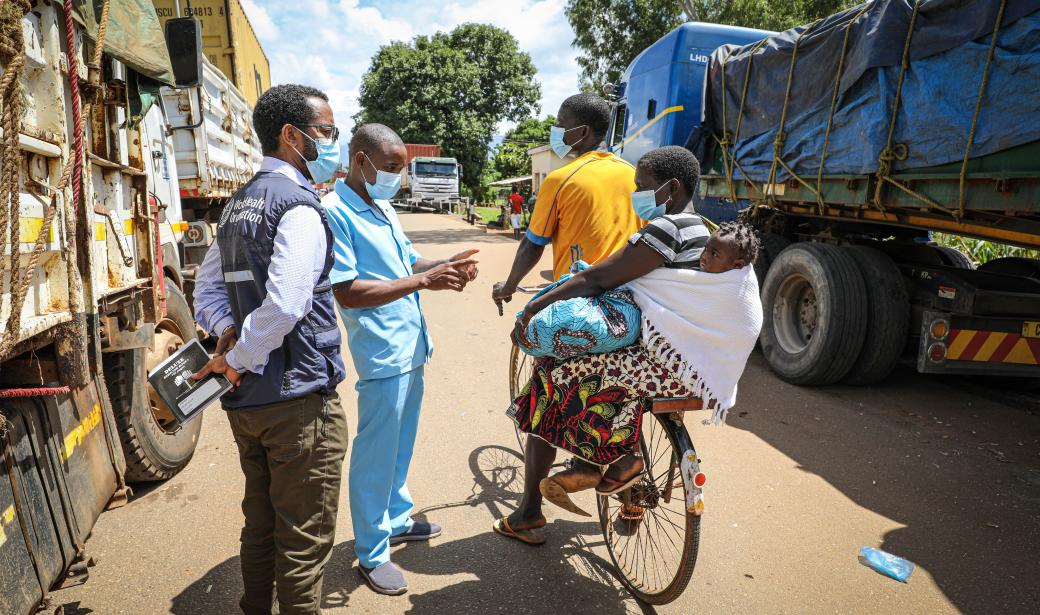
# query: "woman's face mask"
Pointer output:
{"type": "Point", "coordinates": [386, 183]}
{"type": "Point", "coordinates": [645, 204]}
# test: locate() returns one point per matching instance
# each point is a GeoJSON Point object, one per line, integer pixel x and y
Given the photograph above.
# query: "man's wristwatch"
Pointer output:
{"type": "Point", "coordinates": [226, 329]}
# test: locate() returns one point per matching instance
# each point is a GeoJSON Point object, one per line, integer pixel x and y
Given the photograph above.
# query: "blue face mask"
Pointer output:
{"type": "Point", "coordinates": [387, 184]}
{"type": "Point", "coordinates": [556, 134]}
{"type": "Point", "coordinates": [325, 165]}
{"type": "Point", "coordinates": [645, 204]}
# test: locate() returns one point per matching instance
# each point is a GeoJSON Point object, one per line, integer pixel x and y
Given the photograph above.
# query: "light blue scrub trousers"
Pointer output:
{"type": "Point", "coordinates": [380, 505]}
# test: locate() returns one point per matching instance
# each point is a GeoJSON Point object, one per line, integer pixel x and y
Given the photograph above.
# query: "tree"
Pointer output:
{"type": "Point", "coordinates": [510, 158]}
{"type": "Point", "coordinates": [451, 89]}
{"type": "Point", "coordinates": [776, 15]}
{"type": "Point", "coordinates": [611, 33]}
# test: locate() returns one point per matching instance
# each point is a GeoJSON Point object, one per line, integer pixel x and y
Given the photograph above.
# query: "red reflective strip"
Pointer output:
{"type": "Point", "coordinates": [952, 336]}
{"type": "Point", "coordinates": [1005, 347]}
{"type": "Point", "coordinates": [974, 345]}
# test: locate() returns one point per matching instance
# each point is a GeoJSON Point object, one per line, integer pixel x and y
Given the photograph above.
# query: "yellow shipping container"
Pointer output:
{"type": "Point", "coordinates": [228, 40]}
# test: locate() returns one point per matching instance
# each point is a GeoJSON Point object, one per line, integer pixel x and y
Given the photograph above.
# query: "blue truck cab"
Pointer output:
{"type": "Point", "coordinates": [660, 95]}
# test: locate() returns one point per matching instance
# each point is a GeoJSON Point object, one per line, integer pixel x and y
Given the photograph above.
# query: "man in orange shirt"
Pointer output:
{"type": "Point", "coordinates": [584, 208]}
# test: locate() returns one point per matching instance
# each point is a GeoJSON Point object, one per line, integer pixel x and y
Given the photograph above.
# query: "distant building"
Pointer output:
{"type": "Point", "coordinates": [543, 162]}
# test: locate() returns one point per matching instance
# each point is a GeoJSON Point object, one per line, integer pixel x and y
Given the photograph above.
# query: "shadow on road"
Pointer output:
{"type": "Point", "coordinates": [960, 472]}
{"type": "Point", "coordinates": [499, 575]}
{"type": "Point", "coordinates": [466, 235]}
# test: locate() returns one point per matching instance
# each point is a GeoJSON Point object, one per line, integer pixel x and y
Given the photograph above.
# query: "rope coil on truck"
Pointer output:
{"type": "Point", "coordinates": [781, 136]}
{"type": "Point", "coordinates": [898, 151]}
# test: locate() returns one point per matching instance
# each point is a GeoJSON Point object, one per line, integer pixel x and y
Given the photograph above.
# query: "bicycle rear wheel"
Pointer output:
{"type": "Point", "coordinates": [520, 366]}
{"type": "Point", "coordinates": [652, 539]}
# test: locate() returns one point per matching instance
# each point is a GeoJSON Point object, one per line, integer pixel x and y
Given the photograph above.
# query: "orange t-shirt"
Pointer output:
{"type": "Point", "coordinates": [584, 209]}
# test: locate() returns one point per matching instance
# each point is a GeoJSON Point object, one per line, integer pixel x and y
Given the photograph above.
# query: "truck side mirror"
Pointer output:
{"type": "Point", "coordinates": [184, 42]}
{"type": "Point", "coordinates": [460, 169]}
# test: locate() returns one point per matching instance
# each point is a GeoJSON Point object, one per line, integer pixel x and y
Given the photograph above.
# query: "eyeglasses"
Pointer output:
{"type": "Point", "coordinates": [328, 131]}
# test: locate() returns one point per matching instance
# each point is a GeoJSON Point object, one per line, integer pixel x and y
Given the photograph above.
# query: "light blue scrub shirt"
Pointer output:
{"type": "Point", "coordinates": [391, 339]}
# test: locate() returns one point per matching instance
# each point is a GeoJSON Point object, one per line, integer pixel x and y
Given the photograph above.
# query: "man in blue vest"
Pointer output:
{"type": "Point", "coordinates": [377, 278]}
{"type": "Point", "coordinates": [264, 288]}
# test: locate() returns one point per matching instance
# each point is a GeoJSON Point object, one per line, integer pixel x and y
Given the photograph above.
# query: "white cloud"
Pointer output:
{"type": "Point", "coordinates": [262, 23]}
{"type": "Point", "coordinates": [329, 43]}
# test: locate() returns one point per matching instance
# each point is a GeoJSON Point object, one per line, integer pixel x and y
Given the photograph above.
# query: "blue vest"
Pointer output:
{"type": "Point", "coordinates": [309, 360]}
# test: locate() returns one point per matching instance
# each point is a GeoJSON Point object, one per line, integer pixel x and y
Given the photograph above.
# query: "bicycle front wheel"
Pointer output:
{"type": "Point", "coordinates": [520, 369]}
{"type": "Point", "coordinates": [652, 539]}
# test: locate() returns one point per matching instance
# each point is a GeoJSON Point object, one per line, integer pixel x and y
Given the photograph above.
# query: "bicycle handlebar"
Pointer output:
{"type": "Point", "coordinates": [529, 290]}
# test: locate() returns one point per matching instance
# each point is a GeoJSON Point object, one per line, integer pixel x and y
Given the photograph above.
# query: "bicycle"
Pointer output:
{"type": "Point", "coordinates": [652, 529]}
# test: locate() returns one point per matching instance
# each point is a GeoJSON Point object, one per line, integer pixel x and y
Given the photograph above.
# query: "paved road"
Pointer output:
{"type": "Point", "coordinates": [797, 483]}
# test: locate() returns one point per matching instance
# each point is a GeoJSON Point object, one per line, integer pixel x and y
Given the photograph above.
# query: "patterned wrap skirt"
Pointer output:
{"type": "Point", "coordinates": [593, 405]}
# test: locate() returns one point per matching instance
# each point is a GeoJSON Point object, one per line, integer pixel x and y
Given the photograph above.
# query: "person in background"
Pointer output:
{"type": "Point", "coordinates": [377, 277]}
{"type": "Point", "coordinates": [584, 208]}
{"type": "Point", "coordinates": [516, 210]}
{"type": "Point", "coordinates": [264, 289]}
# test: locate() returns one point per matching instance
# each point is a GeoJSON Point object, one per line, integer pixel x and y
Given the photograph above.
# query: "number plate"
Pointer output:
{"type": "Point", "coordinates": [1031, 329]}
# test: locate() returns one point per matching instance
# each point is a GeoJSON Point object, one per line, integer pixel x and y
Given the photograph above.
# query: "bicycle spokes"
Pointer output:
{"type": "Point", "coordinates": [651, 536]}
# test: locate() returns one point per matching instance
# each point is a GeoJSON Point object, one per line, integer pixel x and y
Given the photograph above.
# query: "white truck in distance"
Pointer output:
{"type": "Point", "coordinates": [432, 180]}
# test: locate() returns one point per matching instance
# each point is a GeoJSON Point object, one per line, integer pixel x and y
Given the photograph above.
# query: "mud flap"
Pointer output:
{"type": "Point", "coordinates": [693, 480]}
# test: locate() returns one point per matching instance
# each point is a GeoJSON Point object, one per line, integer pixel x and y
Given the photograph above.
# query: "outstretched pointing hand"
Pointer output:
{"type": "Point", "coordinates": [469, 270]}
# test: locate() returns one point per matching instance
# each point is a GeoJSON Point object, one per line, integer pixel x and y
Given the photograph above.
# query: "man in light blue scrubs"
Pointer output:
{"type": "Point", "coordinates": [376, 277]}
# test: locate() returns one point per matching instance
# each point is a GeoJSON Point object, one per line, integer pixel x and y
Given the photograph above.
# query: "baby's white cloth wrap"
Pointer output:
{"type": "Point", "coordinates": [711, 319]}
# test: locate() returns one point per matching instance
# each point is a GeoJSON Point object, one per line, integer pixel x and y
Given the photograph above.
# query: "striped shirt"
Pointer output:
{"type": "Point", "coordinates": [680, 239]}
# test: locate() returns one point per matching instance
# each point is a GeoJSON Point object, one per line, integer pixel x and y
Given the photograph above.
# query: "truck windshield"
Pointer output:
{"type": "Point", "coordinates": [435, 168]}
{"type": "Point", "coordinates": [619, 125]}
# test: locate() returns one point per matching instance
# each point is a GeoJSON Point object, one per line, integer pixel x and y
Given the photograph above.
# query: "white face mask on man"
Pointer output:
{"type": "Point", "coordinates": [386, 185]}
{"type": "Point", "coordinates": [324, 166]}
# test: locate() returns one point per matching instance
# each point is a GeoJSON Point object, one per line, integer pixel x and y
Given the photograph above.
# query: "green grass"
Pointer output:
{"type": "Point", "coordinates": [487, 214]}
{"type": "Point", "coordinates": [983, 251]}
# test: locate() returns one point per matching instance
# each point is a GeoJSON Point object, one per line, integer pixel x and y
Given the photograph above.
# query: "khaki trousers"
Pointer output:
{"type": "Point", "coordinates": [292, 457]}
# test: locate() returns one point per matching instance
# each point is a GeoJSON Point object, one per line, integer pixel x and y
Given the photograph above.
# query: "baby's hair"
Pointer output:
{"type": "Point", "coordinates": [745, 238]}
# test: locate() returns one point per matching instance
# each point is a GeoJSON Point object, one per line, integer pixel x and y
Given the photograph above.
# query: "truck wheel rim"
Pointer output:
{"type": "Point", "coordinates": [167, 341]}
{"type": "Point", "coordinates": [795, 314]}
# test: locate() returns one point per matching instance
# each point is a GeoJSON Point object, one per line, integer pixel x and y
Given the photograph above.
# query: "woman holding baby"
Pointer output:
{"type": "Point", "coordinates": [700, 317]}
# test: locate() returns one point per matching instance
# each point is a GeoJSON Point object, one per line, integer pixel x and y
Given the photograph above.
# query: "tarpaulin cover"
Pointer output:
{"type": "Point", "coordinates": [948, 50]}
{"type": "Point", "coordinates": [134, 35]}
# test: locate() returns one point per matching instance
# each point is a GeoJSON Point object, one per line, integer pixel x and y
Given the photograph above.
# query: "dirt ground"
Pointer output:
{"type": "Point", "coordinates": [944, 475]}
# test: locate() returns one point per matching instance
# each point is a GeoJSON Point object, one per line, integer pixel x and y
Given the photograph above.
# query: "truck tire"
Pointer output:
{"type": "Point", "coordinates": [952, 257]}
{"type": "Point", "coordinates": [1013, 265]}
{"type": "Point", "coordinates": [815, 314]}
{"type": "Point", "coordinates": [153, 449]}
{"type": "Point", "coordinates": [770, 246]}
{"type": "Point", "coordinates": [888, 316]}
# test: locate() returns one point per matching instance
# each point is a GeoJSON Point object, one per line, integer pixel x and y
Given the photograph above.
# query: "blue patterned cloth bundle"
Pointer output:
{"type": "Point", "coordinates": [583, 325]}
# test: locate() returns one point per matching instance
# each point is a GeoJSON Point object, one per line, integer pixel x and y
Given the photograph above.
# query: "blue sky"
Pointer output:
{"type": "Point", "coordinates": [328, 43]}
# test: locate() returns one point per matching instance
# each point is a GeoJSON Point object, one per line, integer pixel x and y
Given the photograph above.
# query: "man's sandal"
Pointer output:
{"type": "Point", "coordinates": [526, 536]}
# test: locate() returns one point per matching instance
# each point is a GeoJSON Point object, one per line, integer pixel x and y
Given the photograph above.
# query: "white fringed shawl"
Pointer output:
{"type": "Point", "coordinates": [711, 319]}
